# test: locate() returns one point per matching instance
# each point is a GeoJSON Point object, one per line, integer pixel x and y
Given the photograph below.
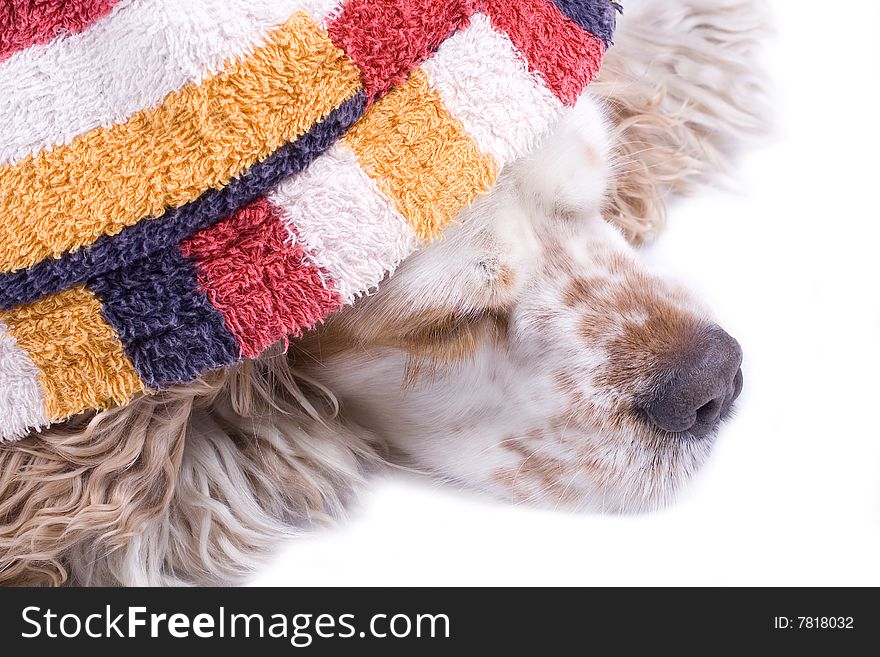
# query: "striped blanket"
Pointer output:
{"type": "Point", "coordinates": [185, 182]}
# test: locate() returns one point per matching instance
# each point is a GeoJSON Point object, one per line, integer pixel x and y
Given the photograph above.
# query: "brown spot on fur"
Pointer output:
{"type": "Point", "coordinates": [536, 434]}
{"type": "Point", "coordinates": [592, 329]}
{"type": "Point", "coordinates": [616, 263]}
{"type": "Point", "coordinates": [641, 348]}
{"type": "Point", "coordinates": [506, 277]}
{"type": "Point", "coordinates": [548, 476]}
{"type": "Point", "coordinates": [507, 479]}
{"type": "Point", "coordinates": [555, 256]}
{"type": "Point", "coordinates": [577, 291]}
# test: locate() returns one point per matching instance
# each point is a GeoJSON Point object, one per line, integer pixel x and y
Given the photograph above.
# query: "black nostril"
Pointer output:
{"type": "Point", "coordinates": [702, 382]}
{"type": "Point", "coordinates": [709, 411]}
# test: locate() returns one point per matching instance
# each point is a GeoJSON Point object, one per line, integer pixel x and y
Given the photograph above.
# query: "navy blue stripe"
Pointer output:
{"type": "Point", "coordinates": [599, 17]}
{"type": "Point", "coordinates": [167, 326]}
{"type": "Point", "coordinates": [133, 243]}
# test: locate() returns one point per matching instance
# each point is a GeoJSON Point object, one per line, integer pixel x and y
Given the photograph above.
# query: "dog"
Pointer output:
{"type": "Point", "coordinates": [528, 354]}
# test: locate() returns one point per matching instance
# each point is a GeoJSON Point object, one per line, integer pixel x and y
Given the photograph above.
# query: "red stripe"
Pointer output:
{"type": "Point", "coordinates": [257, 279]}
{"type": "Point", "coordinates": [556, 48]}
{"type": "Point", "coordinates": [389, 38]}
{"type": "Point", "coordinates": [24, 23]}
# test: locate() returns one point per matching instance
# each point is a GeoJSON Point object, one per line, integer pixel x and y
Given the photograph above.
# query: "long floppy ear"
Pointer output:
{"type": "Point", "coordinates": [683, 88]}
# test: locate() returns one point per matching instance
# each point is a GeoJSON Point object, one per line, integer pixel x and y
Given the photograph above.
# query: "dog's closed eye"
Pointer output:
{"type": "Point", "coordinates": [450, 333]}
{"type": "Point", "coordinates": [432, 342]}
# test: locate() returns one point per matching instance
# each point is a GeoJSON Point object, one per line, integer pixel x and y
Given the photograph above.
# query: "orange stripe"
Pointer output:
{"type": "Point", "coordinates": [79, 357]}
{"type": "Point", "coordinates": [420, 156]}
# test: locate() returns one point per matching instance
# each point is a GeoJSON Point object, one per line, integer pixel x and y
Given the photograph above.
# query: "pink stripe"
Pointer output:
{"type": "Point", "coordinates": [558, 49]}
{"type": "Point", "coordinates": [387, 39]}
{"type": "Point", "coordinates": [257, 279]}
{"type": "Point", "coordinates": [25, 23]}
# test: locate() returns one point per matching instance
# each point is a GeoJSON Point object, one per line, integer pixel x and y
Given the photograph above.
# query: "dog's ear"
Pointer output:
{"type": "Point", "coordinates": [683, 88]}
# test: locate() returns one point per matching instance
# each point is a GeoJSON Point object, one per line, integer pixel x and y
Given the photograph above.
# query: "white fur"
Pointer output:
{"type": "Point", "coordinates": [348, 227]}
{"type": "Point", "coordinates": [50, 94]}
{"type": "Point", "coordinates": [561, 176]}
{"type": "Point", "coordinates": [21, 395]}
{"type": "Point", "coordinates": [487, 85]}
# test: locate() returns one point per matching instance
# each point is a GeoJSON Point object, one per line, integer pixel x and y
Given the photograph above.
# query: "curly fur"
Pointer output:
{"type": "Point", "coordinates": [684, 93]}
{"type": "Point", "coordinates": [196, 485]}
{"type": "Point", "coordinates": [190, 486]}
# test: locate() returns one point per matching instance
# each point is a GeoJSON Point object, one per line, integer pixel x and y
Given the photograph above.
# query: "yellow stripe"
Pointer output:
{"type": "Point", "coordinates": [420, 156]}
{"type": "Point", "coordinates": [79, 356]}
{"type": "Point", "coordinates": [198, 138]}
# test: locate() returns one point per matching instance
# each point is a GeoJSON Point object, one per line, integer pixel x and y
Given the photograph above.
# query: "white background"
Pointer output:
{"type": "Point", "coordinates": [789, 261]}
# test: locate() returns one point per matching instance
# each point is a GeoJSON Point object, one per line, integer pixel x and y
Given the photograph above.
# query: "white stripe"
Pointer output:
{"type": "Point", "coordinates": [347, 226]}
{"type": "Point", "coordinates": [21, 395]}
{"type": "Point", "coordinates": [485, 83]}
{"type": "Point", "coordinates": [128, 61]}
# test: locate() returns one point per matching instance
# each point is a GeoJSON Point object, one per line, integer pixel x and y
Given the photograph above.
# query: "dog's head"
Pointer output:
{"type": "Point", "coordinates": [530, 353]}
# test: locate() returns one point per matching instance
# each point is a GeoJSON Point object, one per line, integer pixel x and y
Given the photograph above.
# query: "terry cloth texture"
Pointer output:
{"type": "Point", "coordinates": [28, 22]}
{"type": "Point", "coordinates": [185, 182]}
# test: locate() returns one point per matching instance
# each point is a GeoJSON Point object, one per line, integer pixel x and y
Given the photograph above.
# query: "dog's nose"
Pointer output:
{"type": "Point", "coordinates": [704, 380]}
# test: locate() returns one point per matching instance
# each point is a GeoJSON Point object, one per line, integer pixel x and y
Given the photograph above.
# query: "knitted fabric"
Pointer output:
{"type": "Point", "coordinates": [185, 182]}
